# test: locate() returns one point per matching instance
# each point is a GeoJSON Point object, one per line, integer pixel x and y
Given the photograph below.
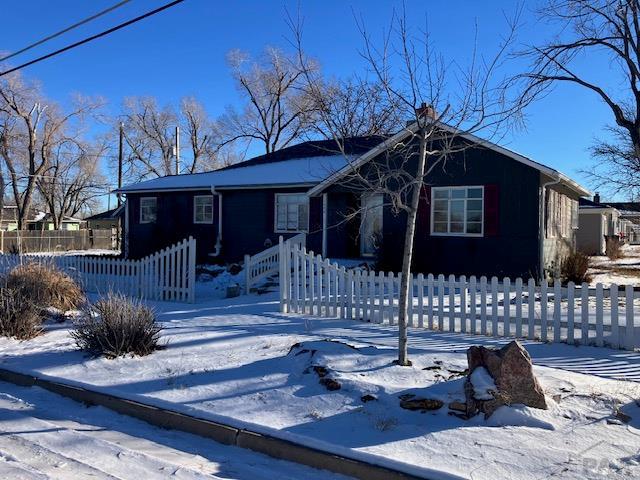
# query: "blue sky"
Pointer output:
{"type": "Point", "coordinates": [182, 52]}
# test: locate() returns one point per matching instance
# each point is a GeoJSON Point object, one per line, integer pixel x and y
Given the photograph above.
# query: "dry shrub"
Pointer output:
{"type": "Point", "coordinates": [116, 325]}
{"type": "Point", "coordinates": [575, 268]}
{"type": "Point", "coordinates": [46, 286]}
{"type": "Point", "coordinates": [19, 317]}
{"type": "Point", "coordinates": [613, 248]}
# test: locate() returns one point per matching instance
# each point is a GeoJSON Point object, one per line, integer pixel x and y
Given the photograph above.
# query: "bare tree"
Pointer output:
{"type": "Point", "coordinates": [149, 133]}
{"type": "Point", "coordinates": [355, 107]}
{"type": "Point", "coordinates": [418, 82]}
{"type": "Point", "coordinates": [278, 110]}
{"type": "Point", "coordinates": [72, 182]}
{"type": "Point", "coordinates": [203, 137]}
{"type": "Point", "coordinates": [31, 127]}
{"type": "Point", "coordinates": [150, 138]}
{"type": "Point", "coordinates": [607, 30]}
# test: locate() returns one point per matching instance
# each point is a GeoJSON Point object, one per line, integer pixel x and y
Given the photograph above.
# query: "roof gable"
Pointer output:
{"type": "Point", "coordinates": [413, 128]}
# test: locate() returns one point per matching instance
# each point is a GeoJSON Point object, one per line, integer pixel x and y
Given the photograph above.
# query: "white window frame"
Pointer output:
{"type": "Point", "coordinates": [155, 199]}
{"type": "Point", "coordinates": [275, 214]}
{"type": "Point", "coordinates": [456, 234]}
{"type": "Point", "coordinates": [195, 211]}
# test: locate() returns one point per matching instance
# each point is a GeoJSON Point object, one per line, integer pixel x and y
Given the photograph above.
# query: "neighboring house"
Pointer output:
{"type": "Point", "coordinates": [488, 211]}
{"type": "Point", "coordinates": [109, 219]}
{"type": "Point", "coordinates": [597, 223]}
{"type": "Point", "coordinates": [630, 218]}
{"type": "Point", "coordinates": [9, 220]}
{"type": "Point", "coordinates": [43, 221]}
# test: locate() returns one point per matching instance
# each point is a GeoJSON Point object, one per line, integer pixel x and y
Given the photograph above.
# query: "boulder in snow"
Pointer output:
{"type": "Point", "coordinates": [511, 371]}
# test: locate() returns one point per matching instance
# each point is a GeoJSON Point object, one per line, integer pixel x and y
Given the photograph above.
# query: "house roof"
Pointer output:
{"type": "Point", "coordinates": [587, 205]}
{"type": "Point", "coordinates": [316, 164]}
{"type": "Point", "coordinates": [44, 217]}
{"type": "Point", "coordinates": [626, 206]}
{"type": "Point", "coordinates": [112, 214]}
{"type": "Point", "coordinates": [412, 128]}
{"type": "Point", "coordinates": [304, 164]}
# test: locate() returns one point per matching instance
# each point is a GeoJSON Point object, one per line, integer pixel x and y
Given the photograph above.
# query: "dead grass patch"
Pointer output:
{"type": "Point", "coordinates": [20, 318]}
{"type": "Point", "coordinates": [45, 286]}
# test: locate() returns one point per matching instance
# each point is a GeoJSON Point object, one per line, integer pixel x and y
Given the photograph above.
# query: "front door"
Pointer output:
{"type": "Point", "coordinates": [371, 224]}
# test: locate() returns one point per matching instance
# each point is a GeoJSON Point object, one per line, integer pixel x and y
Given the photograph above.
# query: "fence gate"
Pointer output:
{"type": "Point", "coordinates": [168, 275]}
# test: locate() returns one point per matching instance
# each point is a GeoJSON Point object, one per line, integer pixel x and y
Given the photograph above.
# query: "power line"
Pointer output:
{"type": "Point", "coordinates": [93, 37]}
{"type": "Point", "coordinates": [68, 29]}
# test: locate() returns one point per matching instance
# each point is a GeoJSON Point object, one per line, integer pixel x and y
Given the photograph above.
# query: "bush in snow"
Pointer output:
{"type": "Point", "coordinates": [19, 317]}
{"type": "Point", "coordinates": [575, 268]}
{"type": "Point", "coordinates": [613, 248]}
{"type": "Point", "coordinates": [116, 325]}
{"type": "Point", "coordinates": [45, 286]}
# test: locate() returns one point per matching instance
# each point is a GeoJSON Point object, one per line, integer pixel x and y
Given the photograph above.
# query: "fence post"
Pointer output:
{"type": "Point", "coordinates": [281, 273]}
{"type": "Point", "coordinates": [192, 269]}
{"type": "Point", "coordinates": [615, 331]}
{"type": "Point", "coordinates": [629, 321]}
{"type": "Point", "coordinates": [247, 273]}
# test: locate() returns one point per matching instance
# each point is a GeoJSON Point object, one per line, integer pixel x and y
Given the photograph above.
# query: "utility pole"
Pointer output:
{"type": "Point", "coordinates": [177, 150]}
{"type": "Point", "coordinates": [120, 160]}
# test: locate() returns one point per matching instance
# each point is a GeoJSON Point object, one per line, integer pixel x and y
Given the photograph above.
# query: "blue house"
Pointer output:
{"type": "Point", "coordinates": [487, 211]}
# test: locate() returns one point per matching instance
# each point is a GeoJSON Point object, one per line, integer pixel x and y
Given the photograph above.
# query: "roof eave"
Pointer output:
{"type": "Point", "coordinates": [410, 129]}
{"type": "Point", "coordinates": [222, 187]}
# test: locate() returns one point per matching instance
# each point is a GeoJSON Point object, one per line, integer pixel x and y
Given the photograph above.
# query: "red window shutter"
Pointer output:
{"type": "Point", "coordinates": [491, 210]}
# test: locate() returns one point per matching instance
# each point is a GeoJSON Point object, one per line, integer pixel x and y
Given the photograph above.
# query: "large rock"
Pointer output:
{"type": "Point", "coordinates": [512, 372]}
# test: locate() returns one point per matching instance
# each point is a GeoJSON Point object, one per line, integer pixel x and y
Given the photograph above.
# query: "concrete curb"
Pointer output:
{"type": "Point", "coordinates": [225, 434]}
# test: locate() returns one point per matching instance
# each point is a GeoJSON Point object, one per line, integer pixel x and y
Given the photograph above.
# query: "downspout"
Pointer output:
{"type": "Point", "coordinates": [125, 235]}
{"type": "Point", "coordinates": [218, 246]}
{"type": "Point", "coordinates": [542, 218]}
{"type": "Point", "coordinates": [325, 223]}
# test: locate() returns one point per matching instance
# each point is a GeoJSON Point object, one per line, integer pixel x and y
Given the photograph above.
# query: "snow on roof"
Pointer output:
{"type": "Point", "coordinates": [297, 171]}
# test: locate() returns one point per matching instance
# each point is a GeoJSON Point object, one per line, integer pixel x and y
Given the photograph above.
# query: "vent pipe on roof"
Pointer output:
{"type": "Point", "coordinates": [596, 198]}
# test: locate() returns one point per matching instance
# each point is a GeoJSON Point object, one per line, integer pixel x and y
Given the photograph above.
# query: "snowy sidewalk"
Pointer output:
{"type": "Point", "coordinates": [43, 435]}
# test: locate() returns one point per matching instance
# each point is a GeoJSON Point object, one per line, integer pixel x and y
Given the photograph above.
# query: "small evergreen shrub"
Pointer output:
{"type": "Point", "coordinates": [575, 268]}
{"type": "Point", "coordinates": [613, 248]}
{"type": "Point", "coordinates": [45, 286]}
{"type": "Point", "coordinates": [116, 325]}
{"type": "Point", "coordinates": [20, 318]}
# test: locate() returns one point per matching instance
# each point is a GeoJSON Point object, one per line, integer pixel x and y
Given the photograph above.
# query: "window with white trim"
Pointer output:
{"type": "Point", "coordinates": [148, 209]}
{"type": "Point", "coordinates": [457, 211]}
{"type": "Point", "coordinates": [203, 209]}
{"type": "Point", "coordinates": [292, 212]}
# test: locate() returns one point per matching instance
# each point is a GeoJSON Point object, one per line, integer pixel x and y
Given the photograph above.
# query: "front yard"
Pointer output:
{"type": "Point", "coordinates": [242, 362]}
{"type": "Point", "coordinates": [623, 271]}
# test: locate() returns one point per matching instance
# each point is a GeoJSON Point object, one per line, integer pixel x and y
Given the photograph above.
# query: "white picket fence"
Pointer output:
{"type": "Point", "coordinates": [596, 316]}
{"type": "Point", "coordinates": [266, 263]}
{"type": "Point", "coordinates": [168, 275]}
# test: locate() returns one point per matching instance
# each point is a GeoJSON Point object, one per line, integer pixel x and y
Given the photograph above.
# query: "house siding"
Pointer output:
{"type": "Point", "coordinates": [512, 250]}
{"type": "Point", "coordinates": [173, 224]}
{"type": "Point", "coordinates": [590, 236]}
{"type": "Point", "coordinates": [247, 223]}
{"type": "Point", "coordinates": [557, 248]}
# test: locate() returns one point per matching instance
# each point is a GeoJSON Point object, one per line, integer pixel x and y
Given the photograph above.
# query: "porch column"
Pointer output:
{"type": "Point", "coordinates": [325, 216]}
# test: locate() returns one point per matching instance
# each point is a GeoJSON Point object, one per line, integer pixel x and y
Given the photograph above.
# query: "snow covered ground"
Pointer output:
{"type": "Point", "coordinates": [241, 362]}
{"type": "Point", "coordinates": [623, 271]}
{"type": "Point", "coordinates": [43, 436]}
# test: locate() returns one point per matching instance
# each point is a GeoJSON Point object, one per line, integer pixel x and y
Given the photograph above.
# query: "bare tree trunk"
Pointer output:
{"type": "Point", "coordinates": [409, 237]}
